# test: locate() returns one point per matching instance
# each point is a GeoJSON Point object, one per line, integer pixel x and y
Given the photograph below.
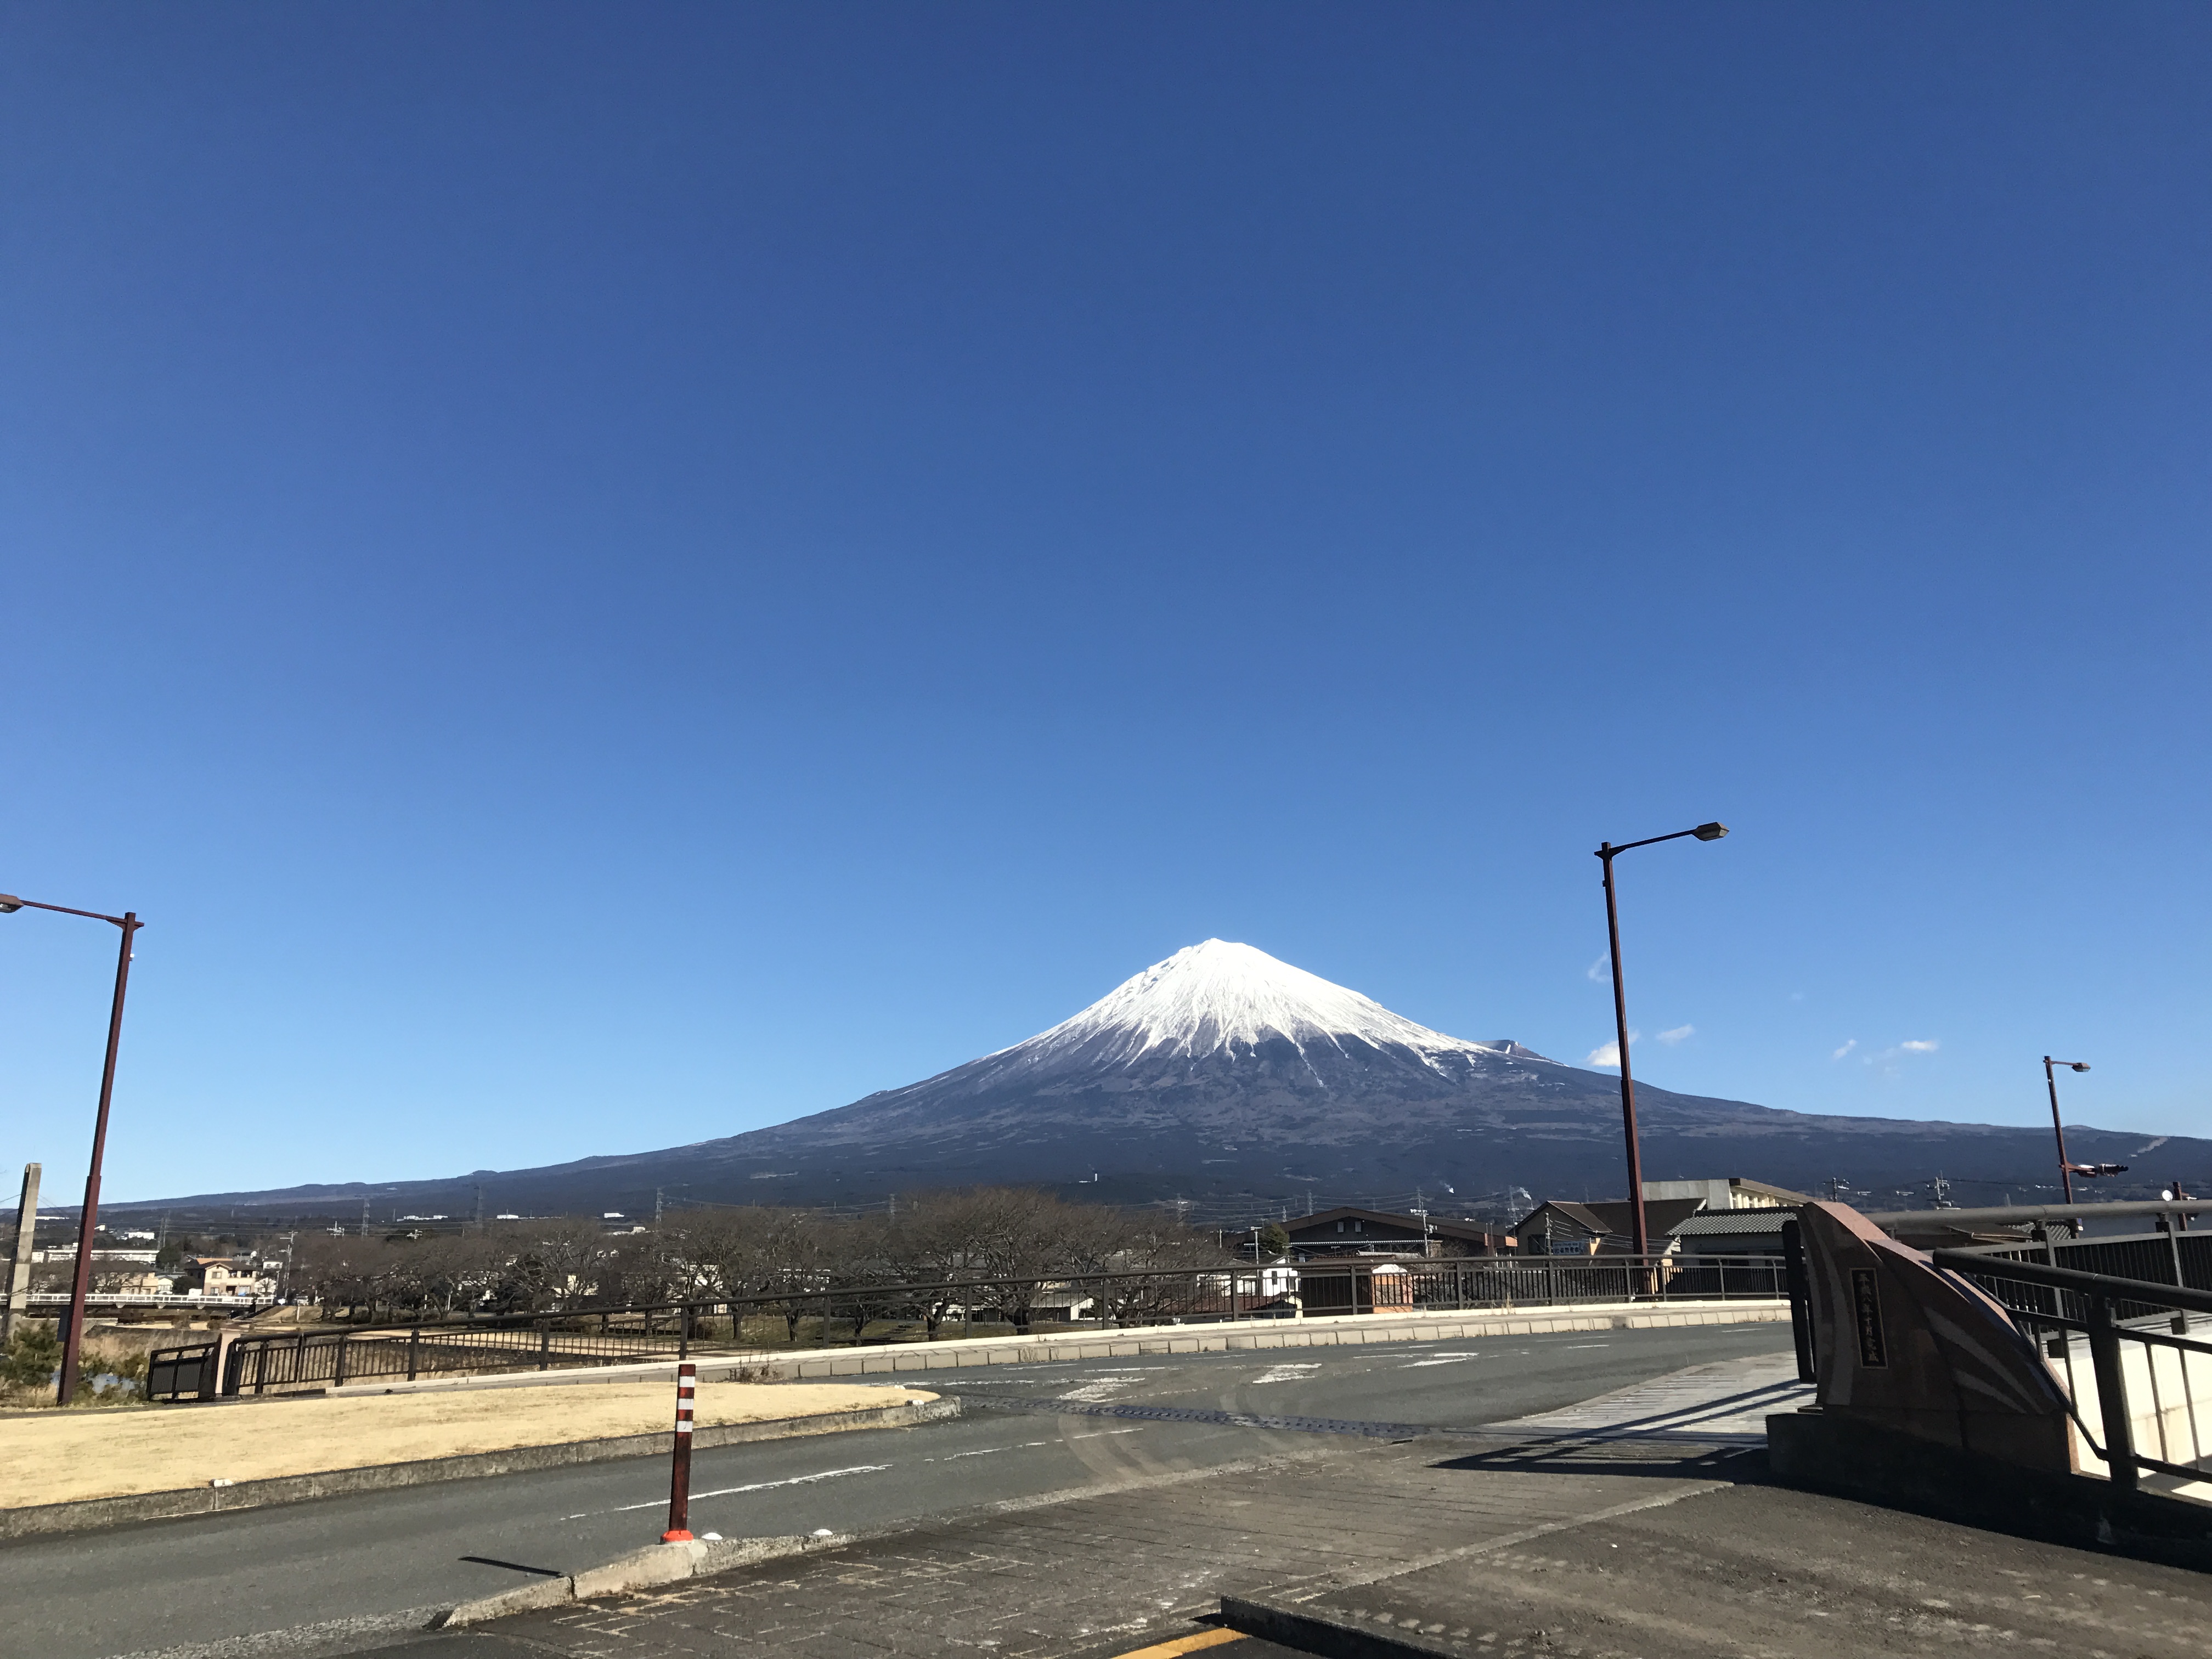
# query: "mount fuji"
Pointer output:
{"type": "Point", "coordinates": [1224, 1070]}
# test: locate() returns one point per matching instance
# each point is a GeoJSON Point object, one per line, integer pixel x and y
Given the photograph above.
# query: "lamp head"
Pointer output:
{"type": "Point", "coordinates": [1710, 831]}
{"type": "Point", "coordinates": [2081, 1065]}
{"type": "Point", "coordinates": [9, 904]}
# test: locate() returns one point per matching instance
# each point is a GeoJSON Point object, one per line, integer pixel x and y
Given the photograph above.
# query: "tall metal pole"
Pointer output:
{"type": "Point", "coordinates": [73, 1344]}
{"type": "Point", "coordinates": [2065, 1169]}
{"type": "Point", "coordinates": [1642, 1239]}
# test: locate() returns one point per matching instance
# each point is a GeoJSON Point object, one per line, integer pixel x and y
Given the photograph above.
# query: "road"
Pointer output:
{"type": "Point", "coordinates": [1031, 1430]}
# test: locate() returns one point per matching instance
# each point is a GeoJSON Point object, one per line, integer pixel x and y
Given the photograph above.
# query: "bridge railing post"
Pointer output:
{"type": "Point", "coordinates": [1799, 1282]}
{"type": "Point", "coordinates": [2112, 1394]}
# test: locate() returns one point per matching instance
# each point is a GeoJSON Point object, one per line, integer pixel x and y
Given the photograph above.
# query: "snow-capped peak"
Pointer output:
{"type": "Point", "coordinates": [1207, 998]}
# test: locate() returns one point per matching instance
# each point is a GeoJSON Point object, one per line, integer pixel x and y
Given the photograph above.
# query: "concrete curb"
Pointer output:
{"type": "Point", "coordinates": [901, 1358]}
{"type": "Point", "coordinates": [642, 1569]}
{"type": "Point", "coordinates": [1332, 1638]}
{"type": "Point", "coordinates": [89, 1514]}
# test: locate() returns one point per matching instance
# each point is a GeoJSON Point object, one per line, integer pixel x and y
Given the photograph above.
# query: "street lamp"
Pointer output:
{"type": "Point", "coordinates": [1607, 852]}
{"type": "Point", "coordinates": [80, 1281]}
{"type": "Point", "coordinates": [2051, 1082]}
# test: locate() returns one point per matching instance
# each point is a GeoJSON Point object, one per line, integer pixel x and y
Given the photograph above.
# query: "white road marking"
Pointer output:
{"type": "Point", "coordinates": [1589, 1344]}
{"type": "Point", "coordinates": [1444, 1360]}
{"type": "Point", "coordinates": [731, 1492]}
{"type": "Point", "coordinates": [1092, 1393]}
{"type": "Point", "coordinates": [1030, 1445]}
{"type": "Point", "coordinates": [1284, 1374]}
{"type": "Point", "coordinates": [987, 1451]}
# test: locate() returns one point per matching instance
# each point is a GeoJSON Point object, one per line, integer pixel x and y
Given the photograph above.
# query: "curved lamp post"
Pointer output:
{"type": "Point", "coordinates": [1607, 852]}
{"type": "Point", "coordinates": [2051, 1082]}
{"type": "Point", "coordinates": [80, 1281]}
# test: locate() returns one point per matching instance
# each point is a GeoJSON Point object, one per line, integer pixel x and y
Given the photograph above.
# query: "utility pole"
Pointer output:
{"type": "Point", "coordinates": [364, 1217]}
{"type": "Point", "coordinates": [480, 1206]}
{"type": "Point", "coordinates": [19, 1272]}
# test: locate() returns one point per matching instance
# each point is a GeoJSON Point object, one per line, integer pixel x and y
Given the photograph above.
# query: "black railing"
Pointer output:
{"type": "Point", "coordinates": [2099, 1314]}
{"type": "Point", "coordinates": [257, 1363]}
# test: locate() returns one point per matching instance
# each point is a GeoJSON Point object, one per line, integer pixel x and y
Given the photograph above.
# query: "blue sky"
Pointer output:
{"type": "Point", "coordinates": [603, 576]}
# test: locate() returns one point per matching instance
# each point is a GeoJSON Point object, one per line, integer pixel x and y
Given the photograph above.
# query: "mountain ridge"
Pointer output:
{"type": "Point", "coordinates": [1223, 1069]}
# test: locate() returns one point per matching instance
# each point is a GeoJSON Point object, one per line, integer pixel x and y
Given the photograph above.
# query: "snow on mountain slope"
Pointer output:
{"type": "Point", "coordinates": [1214, 999]}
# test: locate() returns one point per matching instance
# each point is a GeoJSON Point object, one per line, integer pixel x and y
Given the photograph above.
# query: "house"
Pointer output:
{"type": "Point", "coordinates": [1560, 1226]}
{"type": "Point", "coordinates": [1677, 1214]}
{"type": "Point", "coordinates": [1348, 1230]}
{"type": "Point", "coordinates": [221, 1279]}
{"type": "Point", "coordinates": [1729, 1232]}
{"type": "Point", "coordinates": [1735, 1193]}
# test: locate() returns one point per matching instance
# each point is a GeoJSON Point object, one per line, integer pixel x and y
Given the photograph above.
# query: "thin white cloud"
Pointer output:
{"type": "Point", "coordinates": [1679, 1034]}
{"type": "Point", "coordinates": [1911, 1046]}
{"type": "Point", "coordinates": [1845, 1049]}
{"type": "Point", "coordinates": [1610, 1054]}
{"type": "Point", "coordinates": [1599, 970]}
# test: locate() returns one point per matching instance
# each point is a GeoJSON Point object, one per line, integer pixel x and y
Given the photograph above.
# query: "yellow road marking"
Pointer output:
{"type": "Point", "coordinates": [1205, 1638]}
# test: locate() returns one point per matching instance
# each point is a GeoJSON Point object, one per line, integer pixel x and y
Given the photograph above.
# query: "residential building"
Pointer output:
{"type": "Point", "coordinates": [1677, 1214]}
{"type": "Point", "coordinates": [1350, 1231]}
{"type": "Point", "coordinates": [221, 1279]}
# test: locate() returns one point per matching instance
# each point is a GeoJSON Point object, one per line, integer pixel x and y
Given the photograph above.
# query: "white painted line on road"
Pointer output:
{"type": "Point", "coordinates": [1093, 1393]}
{"type": "Point", "coordinates": [1028, 1445]}
{"type": "Point", "coordinates": [1445, 1360]}
{"type": "Point", "coordinates": [731, 1492]}
{"type": "Point", "coordinates": [1589, 1344]}
{"type": "Point", "coordinates": [986, 1451]}
{"type": "Point", "coordinates": [1294, 1373]}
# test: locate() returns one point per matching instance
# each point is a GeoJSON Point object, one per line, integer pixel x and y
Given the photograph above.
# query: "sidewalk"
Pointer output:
{"type": "Point", "coordinates": [1752, 1571]}
{"type": "Point", "coordinates": [1622, 1533]}
{"type": "Point", "coordinates": [1099, 1572]}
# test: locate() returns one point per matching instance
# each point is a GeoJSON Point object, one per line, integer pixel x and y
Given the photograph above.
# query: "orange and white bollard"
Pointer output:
{"type": "Point", "coordinates": [679, 1472]}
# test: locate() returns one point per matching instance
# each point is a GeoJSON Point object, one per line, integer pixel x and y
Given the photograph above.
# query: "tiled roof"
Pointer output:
{"type": "Point", "coordinates": [1708, 1223]}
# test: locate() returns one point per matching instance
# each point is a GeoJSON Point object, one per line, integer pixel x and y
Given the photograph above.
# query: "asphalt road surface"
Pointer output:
{"type": "Point", "coordinates": [1030, 1431]}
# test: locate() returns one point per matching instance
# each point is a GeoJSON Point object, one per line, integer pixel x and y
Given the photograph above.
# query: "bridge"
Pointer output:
{"type": "Point", "coordinates": [1589, 1474]}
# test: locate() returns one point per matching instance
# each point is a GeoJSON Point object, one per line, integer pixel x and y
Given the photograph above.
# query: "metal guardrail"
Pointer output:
{"type": "Point", "coordinates": [257, 1363]}
{"type": "Point", "coordinates": [1518, 1281]}
{"type": "Point", "coordinates": [180, 1303]}
{"type": "Point", "coordinates": [2003, 1215]}
{"type": "Point", "coordinates": [2111, 1312]}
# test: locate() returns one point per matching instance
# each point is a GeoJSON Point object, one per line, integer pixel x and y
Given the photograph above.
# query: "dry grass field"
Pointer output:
{"type": "Point", "coordinates": [58, 1457]}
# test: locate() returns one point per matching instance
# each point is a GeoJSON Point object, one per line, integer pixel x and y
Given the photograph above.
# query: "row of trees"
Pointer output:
{"type": "Point", "coordinates": [1025, 1240]}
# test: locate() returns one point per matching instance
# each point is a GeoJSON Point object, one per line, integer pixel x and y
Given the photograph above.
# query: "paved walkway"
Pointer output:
{"type": "Point", "coordinates": [1099, 1573]}
{"type": "Point", "coordinates": [1632, 1527]}
{"type": "Point", "coordinates": [1752, 1571]}
{"type": "Point", "coordinates": [1724, 1404]}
